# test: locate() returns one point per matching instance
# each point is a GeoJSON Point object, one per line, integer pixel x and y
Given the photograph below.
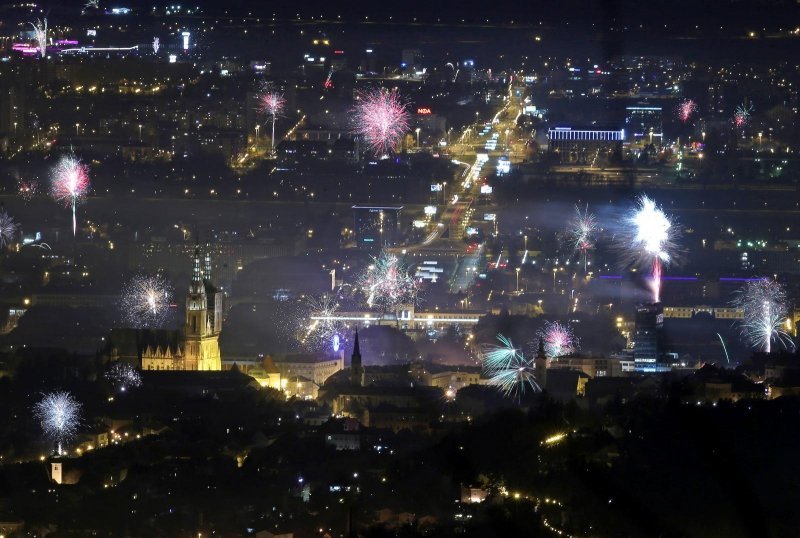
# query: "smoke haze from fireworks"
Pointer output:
{"type": "Point", "coordinates": [146, 301]}
{"type": "Point", "coordinates": [387, 283]}
{"type": "Point", "coordinates": [559, 340]}
{"type": "Point", "coordinates": [59, 415]}
{"type": "Point", "coordinates": [765, 313]}
{"type": "Point", "coordinates": [508, 369]}
{"type": "Point", "coordinates": [686, 109]}
{"type": "Point", "coordinates": [8, 228]}
{"type": "Point", "coordinates": [382, 118]}
{"type": "Point", "coordinates": [70, 183]}
{"type": "Point", "coordinates": [649, 241]}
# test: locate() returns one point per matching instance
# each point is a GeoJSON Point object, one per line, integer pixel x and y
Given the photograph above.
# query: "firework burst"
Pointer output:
{"type": "Point", "coordinates": [146, 301]}
{"type": "Point", "coordinates": [7, 229]}
{"type": "Point", "coordinates": [70, 184]}
{"type": "Point", "coordinates": [559, 340]}
{"type": "Point", "coordinates": [27, 189]}
{"type": "Point", "coordinates": [156, 45]}
{"type": "Point", "coordinates": [649, 241]}
{"type": "Point", "coordinates": [382, 118]}
{"type": "Point", "coordinates": [324, 331]}
{"type": "Point", "coordinates": [124, 376]}
{"type": "Point", "coordinates": [59, 415]}
{"type": "Point", "coordinates": [508, 369]}
{"type": "Point", "coordinates": [271, 103]}
{"type": "Point", "coordinates": [686, 110]}
{"type": "Point", "coordinates": [741, 116]}
{"type": "Point", "coordinates": [765, 314]}
{"type": "Point", "coordinates": [40, 35]}
{"type": "Point", "coordinates": [388, 284]}
{"type": "Point", "coordinates": [582, 231]}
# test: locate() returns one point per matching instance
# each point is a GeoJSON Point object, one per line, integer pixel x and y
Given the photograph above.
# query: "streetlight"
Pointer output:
{"type": "Point", "coordinates": [555, 270]}
{"type": "Point", "coordinates": [517, 271]}
{"type": "Point", "coordinates": [77, 126]}
{"type": "Point", "coordinates": [759, 138]}
{"type": "Point", "coordinates": [258, 128]}
{"type": "Point", "coordinates": [417, 130]}
{"type": "Point", "coordinates": [526, 243]}
{"type": "Point", "coordinates": [140, 132]}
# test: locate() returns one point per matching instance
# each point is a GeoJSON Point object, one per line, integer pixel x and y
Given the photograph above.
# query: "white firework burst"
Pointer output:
{"type": "Point", "coordinates": [59, 415]}
{"type": "Point", "coordinates": [8, 228]}
{"type": "Point", "coordinates": [146, 301]}
{"type": "Point", "coordinates": [124, 376]}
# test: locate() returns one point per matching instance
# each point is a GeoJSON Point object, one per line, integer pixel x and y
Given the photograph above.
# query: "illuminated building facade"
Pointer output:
{"type": "Point", "coordinates": [647, 338]}
{"type": "Point", "coordinates": [377, 227]}
{"type": "Point", "coordinates": [644, 124]}
{"type": "Point", "coordinates": [583, 145]}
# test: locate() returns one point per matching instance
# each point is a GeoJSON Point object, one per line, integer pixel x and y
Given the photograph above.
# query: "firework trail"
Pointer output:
{"type": "Point", "coordinates": [686, 110]}
{"type": "Point", "coordinates": [741, 116]}
{"type": "Point", "coordinates": [271, 103]}
{"type": "Point", "coordinates": [92, 4]}
{"type": "Point", "coordinates": [156, 45]}
{"type": "Point", "coordinates": [765, 314]}
{"type": "Point", "coordinates": [508, 369]}
{"type": "Point", "coordinates": [387, 283]}
{"type": "Point", "coordinates": [70, 184]}
{"type": "Point", "coordinates": [27, 189]}
{"type": "Point", "coordinates": [7, 229]}
{"type": "Point", "coordinates": [325, 332]}
{"type": "Point", "coordinates": [59, 416]}
{"type": "Point", "coordinates": [648, 240]}
{"type": "Point", "coordinates": [382, 118]}
{"type": "Point", "coordinates": [582, 231]}
{"type": "Point", "coordinates": [146, 301]}
{"type": "Point", "coordinates": [559, 340]}
{"type": "Point", "coordinates": [123, 376]}
{"type": "Point", "coordinates": [40, 35]}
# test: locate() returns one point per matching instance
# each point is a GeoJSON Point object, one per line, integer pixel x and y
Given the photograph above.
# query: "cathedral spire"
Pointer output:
{"type": "Point", "coordinates": [356, 369]}
{"type": "Point", "coordinates": [207, 267]}
{"type": "Point", "coordinates": [197, 275]}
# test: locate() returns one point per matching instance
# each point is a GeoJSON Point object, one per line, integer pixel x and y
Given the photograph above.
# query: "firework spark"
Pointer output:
{"type": "Point", "coordinates": [508, 369]}
{"type": "Point", "coordinates": [382, 118]}
{"type": "Point", "coordinates": [271, 103]}
{"type": "Point", "coordinates": [27, 189]}
{"type": "Point", "coordinates": [7, 229]}
{"type": "Point", "coordinates": [146, 301]}
{"type": "Point", "coordinates": [388, 284]}
{"type": "Point", "coordinates": [741, 116]}
{"type": "Point", "coordinates": [92, 4]}
{"type": "Point", "coordinates": [40, 35]}
{"type": "Point", "coordinates": [649, 239]}
{"type": "Point", "coordinates": [559, 340]}
{"type": "Point", "coordinates": [70, 184]}
{"type": "Point", "coordinates": [765, 314]}
{"type": "Point", "coordinates": [59, 416]}
{"type": "Point", "coordinates": [323, 331]}
{"type": "Point", "coordinates": [686, 110]}
{"type": "Point", "coordinates": [582, 231]}
{"type": "Point", "coordinates": [156, 45]}
{"type": "Point", "coordinates": [124, 376]}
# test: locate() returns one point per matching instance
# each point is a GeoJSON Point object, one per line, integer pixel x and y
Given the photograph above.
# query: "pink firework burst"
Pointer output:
{"type": "Point", "coordinates": [741, 116]}
{"type": "Point", "coordinates": [70, 183]}
{"type": "Point", "coordinates": [27, 189]}
{"type": "Point", "coordinates": [686, 109]}
{"type": "Point", "coordinates": [271, 103]}
{"type": "Point", "coordinates": [558, 339]}
{"type": "Point", "coordinates": [382, 118]}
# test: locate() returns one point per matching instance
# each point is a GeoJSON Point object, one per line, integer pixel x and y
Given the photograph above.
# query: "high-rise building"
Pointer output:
{"type": "Point", "coordinates": [377, 226]}
{"type": "Point", "coordinates": [644, 123]}
{"type": "Point", "coordinates": [356, 368]}
{"type": "Point", "coordinates": [648, 338]}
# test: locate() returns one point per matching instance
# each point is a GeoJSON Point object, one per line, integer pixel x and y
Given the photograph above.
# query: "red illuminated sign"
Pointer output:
{"type": "Point", "coordinates": [424, 110]}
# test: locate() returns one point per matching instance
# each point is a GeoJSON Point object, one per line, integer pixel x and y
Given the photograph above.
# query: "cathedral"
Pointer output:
{"type": "Point", "coordinates": [196, 346]}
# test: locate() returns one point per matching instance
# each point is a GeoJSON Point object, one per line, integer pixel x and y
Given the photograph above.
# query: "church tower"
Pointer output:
{"type": "Point", "coordinates": [202, 340]}
{"type": "Point", "coordinates": [540, 365]}
{"type": "Point", "coordinates": [356, 369]}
